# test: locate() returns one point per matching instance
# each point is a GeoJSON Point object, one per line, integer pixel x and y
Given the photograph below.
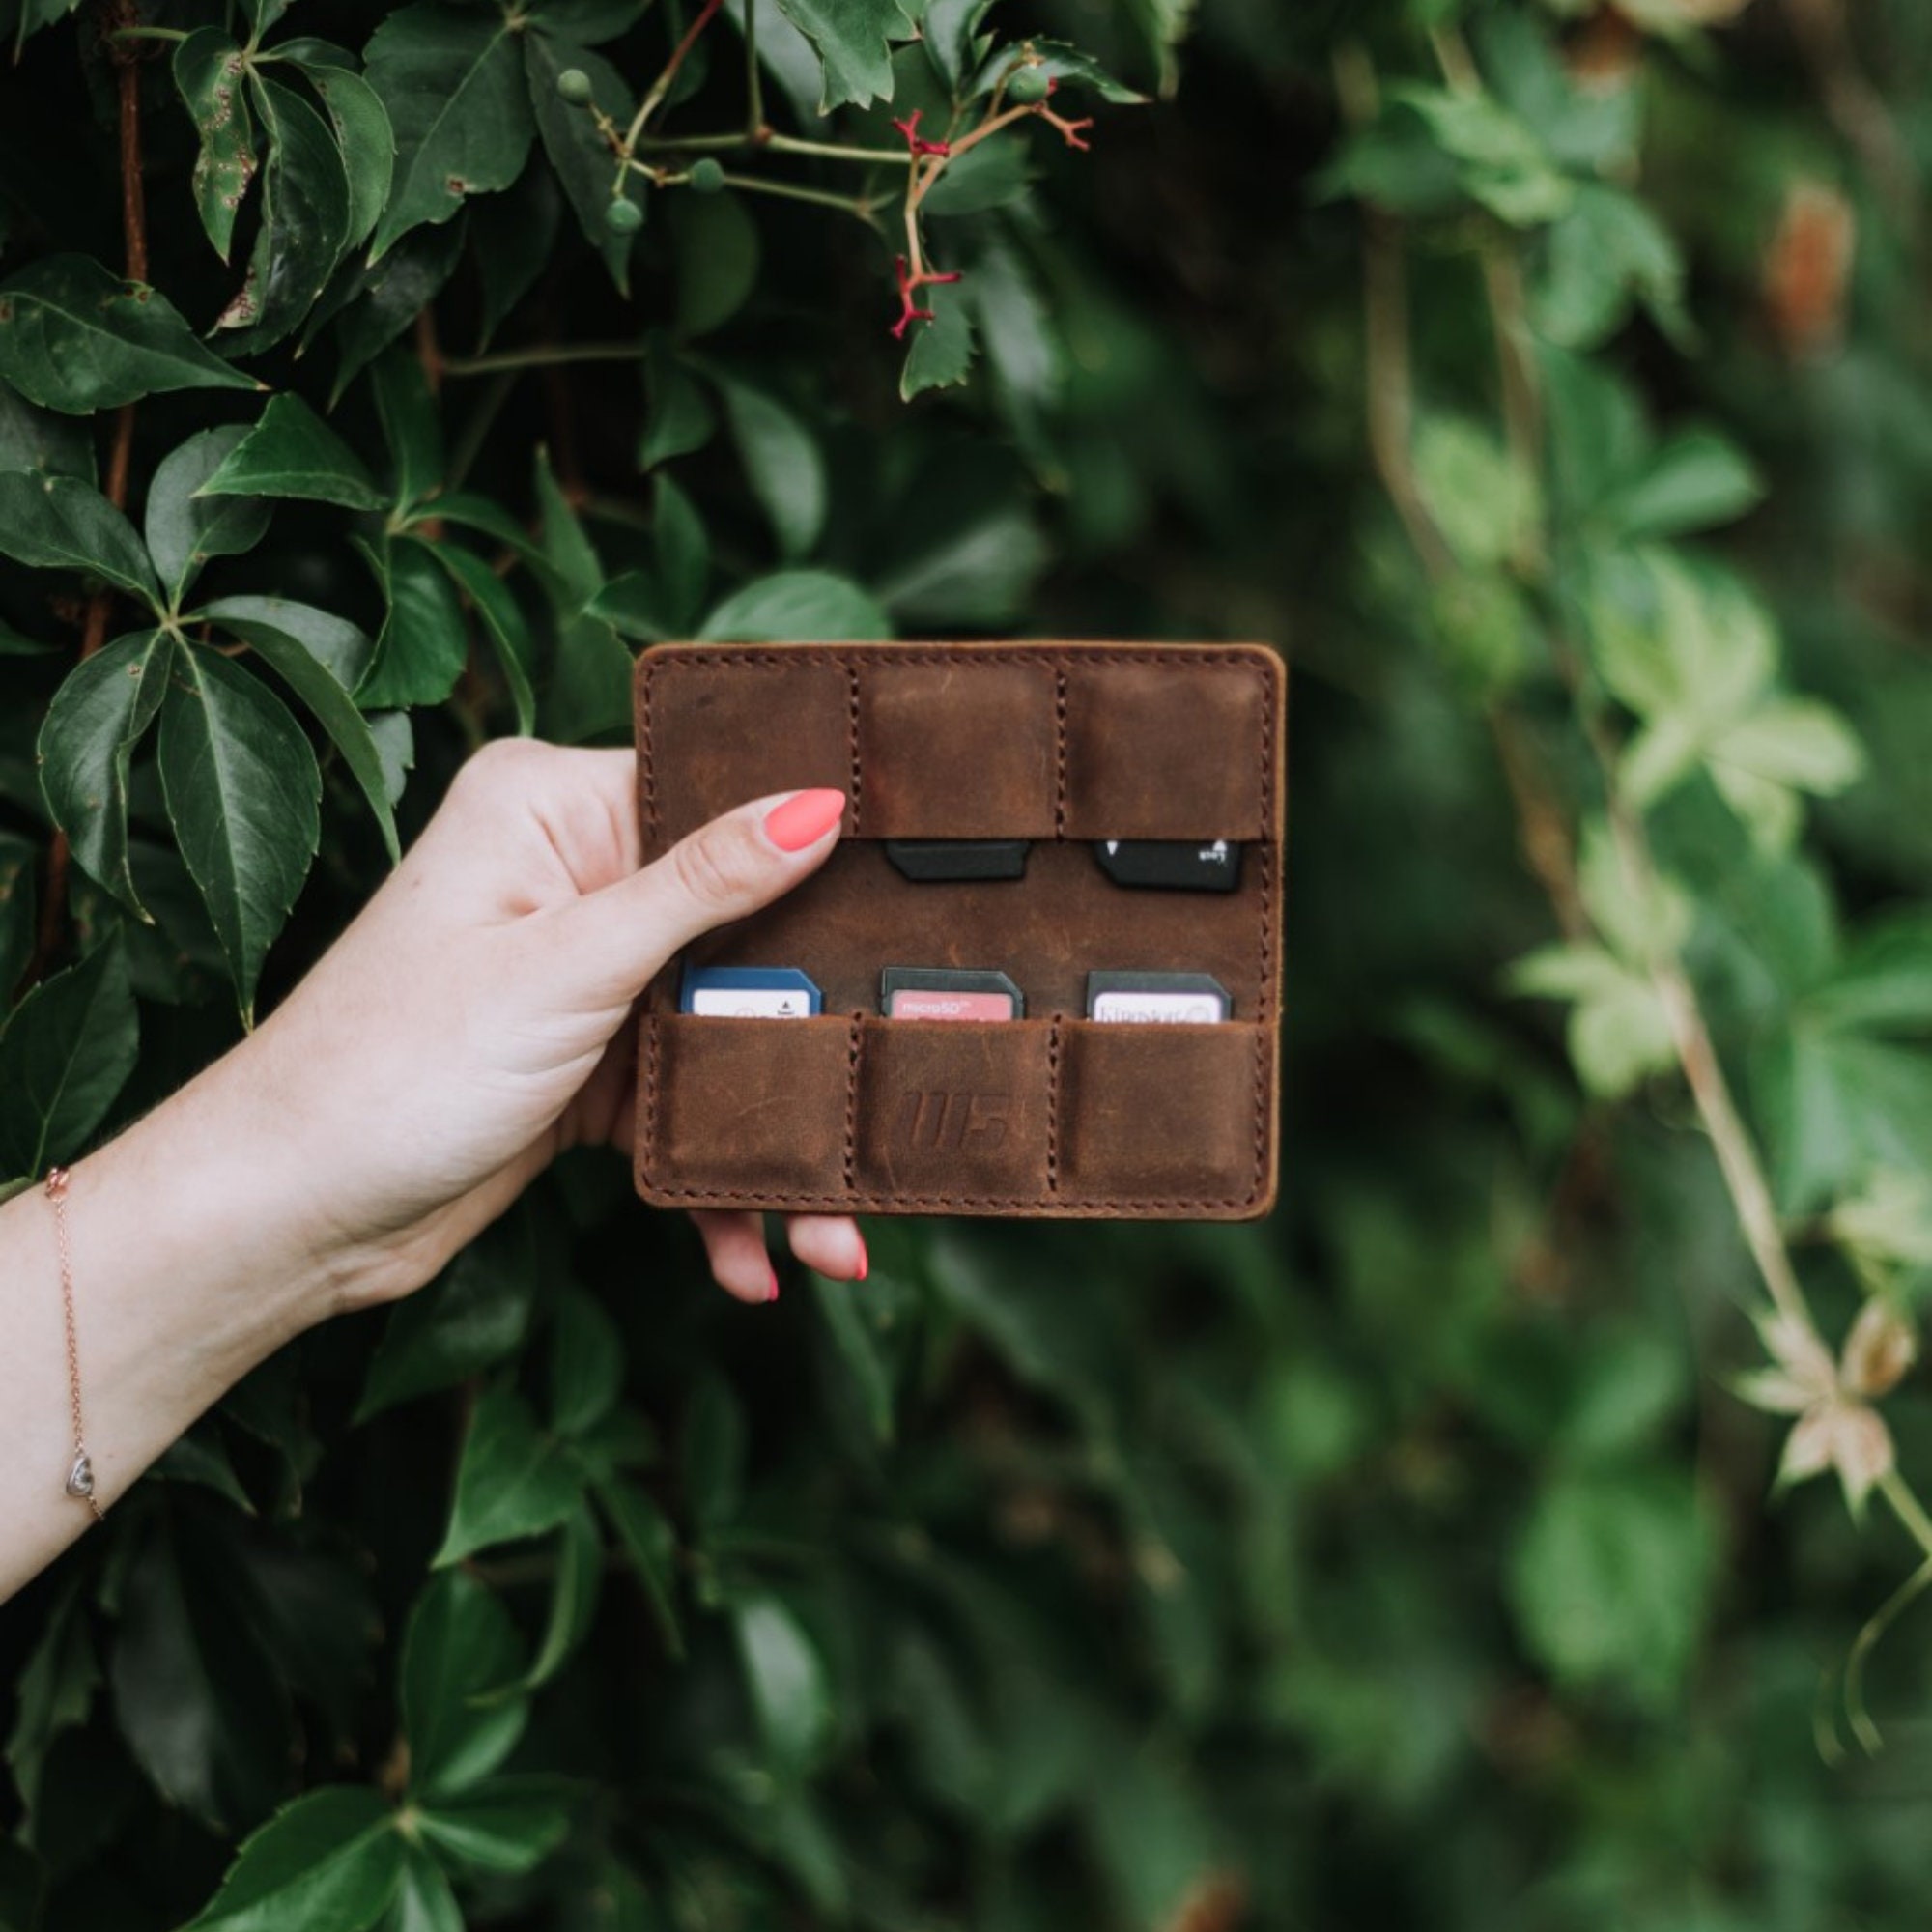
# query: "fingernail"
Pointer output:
{"type": "Point", "coordinates": [804, 818]}
{"type": "Point", "coordinates": [865, 1261]}
{"type": "Point", "coordinates": [771, 1291]}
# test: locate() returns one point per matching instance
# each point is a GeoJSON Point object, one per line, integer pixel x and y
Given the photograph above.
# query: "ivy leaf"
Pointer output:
{"type": "Point", "coordinates": [680, 418]}
{"type": "Point", "coordinates": [513, 1480]}
{"type": "Point", "coordinates": [507, 1825]}
{"type": "Point", "coordinates": [502, 624]}
{"type": "Point", "coordinates": [1692, 482]}
{"type": "Point", "coordinates": [56, 1687]}
{"type": "Point", "coordinates": [791, 604]}
{"type": "Point", "coordinates": [993, 174]}
{"type": "Point", "coordinates": [210, 75]}
{"type": "Point", "coordinates": [453, 86]}
{"type": "Point", "coordinates": [333, 641]}
{"type": "Point", "coordinates": [1619, 1031]}
{"type": "Point", "coordinates": [242, 786]}
{"type": "Point", "coordinates": [19, 864]}
{"type": "Point", "coordinates": [73, 337]}
{"type": "Point", "coordinates": [715, 246]}
{"type": "Point", "coordinates": [184, 528]}
{"type": "Point", "coordinates": [516, 238]}
{"type": "Point", "coordinates": [318, 687]}
{"type": "Point", "coordinates": [424, 1901]}
{"type": "Point", "coordinates": [66, 1051]}
{"type": "Point", "coordinates": [304, 227]}
{"type": "Point", "coordinates": [633, 606]}
{"type": "Point", "coordinates": [852, 38]}
{"type": "Point", "coordinates": [587, 1364]}
{"type": "Point", "coordinates": [1054, 60]}
{"type": "Point", "coordinates": [475, 1315]}
{"type": "Point", "coordinates": [683, 549]}
{"type": "Point", "coordinates": [383, 301]}
{"type": "Point", "coordinates": [942, 349]}
{"type": "Point", "coordinates": [87, 747]}
{"type": "Point", "coordinates": [37, 440]}
{"type": "Point", "coordinates": [1163, 25]}
{"type": "Point", "coordinates": [407, 411]}
{"type": "Point", "coordinates": [363, 130]}
{"type": "Point", "coordinates": [331, 1861]}
{"type": "Point", "coordinates": [458, 1648]}
{"type": "Point", "coordinates": [1607, 250]}
{"type": "Point", "coordinates": [291, 452]}
{"type": "Point", "coordinates": [576, 1584]}
{"type": "Point", "coordinates": [424, 644]}
{"type": "Point", "coordinates": [577, 151]}
{"type": "Point", "coordinates": [782, 461]}
{"type": "Point", "coordinates": [791, 1691]}
{"type": "Point", "coordinates": [59, 522]}
{"type": "Point", "coordinates": [651, 1543]}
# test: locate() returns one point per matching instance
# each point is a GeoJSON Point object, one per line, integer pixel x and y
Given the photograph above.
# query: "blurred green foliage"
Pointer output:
{"type": "Point", "coordinates": [1547, 381]}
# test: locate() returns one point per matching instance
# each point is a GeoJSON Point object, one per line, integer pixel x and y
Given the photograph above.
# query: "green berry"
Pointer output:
{"type": "Point", "coordinates": [624, 217]}
{"type": "Point", "coordinates": [573, 84]}
{"type": "Point", "coordinates": [1028, 87]}
{"type": "Point", "coordinates": [707, 176]}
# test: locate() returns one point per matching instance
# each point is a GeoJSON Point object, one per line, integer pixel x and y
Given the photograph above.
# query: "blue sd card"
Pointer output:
{"type": "Point", "coordinates": [749, 992]}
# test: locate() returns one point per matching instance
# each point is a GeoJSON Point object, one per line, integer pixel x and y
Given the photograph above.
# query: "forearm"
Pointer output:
{"type": "Point", "coordinates": [194, 1258]}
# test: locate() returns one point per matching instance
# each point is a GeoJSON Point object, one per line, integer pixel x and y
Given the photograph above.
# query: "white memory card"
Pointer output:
{"type": "Point", "coordinates": [1187, 998]}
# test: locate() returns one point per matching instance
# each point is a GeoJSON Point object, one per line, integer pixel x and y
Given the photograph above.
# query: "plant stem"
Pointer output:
{"type": "Point", "coordinates": [549, 356]}
{"type": "Point", "coordinates": [754, 81]}
{"type": "Point", "coordinates": [662, 85]}
{"type": "Point", "coordinates": [791, 191]}
{"type": "Point", "coordinates": [831, 150]}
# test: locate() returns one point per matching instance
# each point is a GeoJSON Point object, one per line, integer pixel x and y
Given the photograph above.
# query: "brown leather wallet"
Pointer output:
{"type": "Point", "coordinates": [1053, 1114]}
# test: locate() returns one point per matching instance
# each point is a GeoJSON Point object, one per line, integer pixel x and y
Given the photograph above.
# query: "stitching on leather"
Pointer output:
{"type": "Point", "coordinates": [852, 738]}
{"type": "Point", "coordinates": [650, 760]}
{"type": "Point", "coordinates": [652, 1035]}
{"type": "Point", "coordinates": [1060, 696]}
{"type": "Point", "coordinates": [852, 1050]}
{"type": "Point", "coordinates": [1053, 1107]}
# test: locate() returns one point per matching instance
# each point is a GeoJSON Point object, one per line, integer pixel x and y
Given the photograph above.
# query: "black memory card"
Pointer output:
{"type": "Point", "coordinates": [929, 860]}
{"type": "Point", "coordinates": [1184, 865]}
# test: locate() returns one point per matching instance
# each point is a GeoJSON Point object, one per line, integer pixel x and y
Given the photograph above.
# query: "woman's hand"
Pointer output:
{"type": "Point", "coordinates": [474, 1019]}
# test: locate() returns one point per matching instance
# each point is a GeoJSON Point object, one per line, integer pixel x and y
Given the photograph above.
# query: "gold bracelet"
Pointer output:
{"type": "Point", "coordinates": [80, 1471]}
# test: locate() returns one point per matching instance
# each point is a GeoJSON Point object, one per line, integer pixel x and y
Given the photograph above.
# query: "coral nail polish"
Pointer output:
{"type": "Point", "coordinates": [772, 1289]}
{"type": "Point", "coordinates": [864, 1262]}
{"type": "Point", "coordinates": [804, 818]}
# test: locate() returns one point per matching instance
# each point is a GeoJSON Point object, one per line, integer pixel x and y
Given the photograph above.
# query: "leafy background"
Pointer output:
{"type": "Point", "coordinates": [1547, 381]}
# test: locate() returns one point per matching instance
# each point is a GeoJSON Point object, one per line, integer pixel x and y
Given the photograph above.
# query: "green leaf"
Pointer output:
{"type": "Point", "coordinates": [1501, 162]}
{"type": "Point", "coordinates": [382, 302]}
{"type": "Point", "coordinates": [1163, 24]}
{"type": "Point", "coordinates": [635, 606]}
{"type": "Point", "coordinates": [73, 337]}
{"type": "Point", "coordinates": [942, 349]}
{"type": "Point", "coordinates": [680, 418]}
{"type": "Point", "coordinates": [475, 1315]}
{"type": "Point", "coordinates": [1481, 499]}
{"type": "Point", "coordinates": [513, 1480]}
{"type": "Point", "coordinates": [55, 1688]}
{"type": "Point", "coordinates": [981, 573]}
{"type": "Point", "coordinates": [87, 747]}
{"type": "Point", "coordinates": [516, 238]}
{"type": "Point", "coordinates": [184, 528]}
{"type": "Point", "coordinates": [363, 131]}
{"type": "Point", "coordinates": [852, 38]}
{"type": "Point", "coordinates": [508, 1825]}
{"type": "Point", "coordinates": [59, 522]}
{"type": "Point", "coordinates": [502, 624]}
{"type": "Point", "coordinates": [66, 1051]}
{"type": "Point", "coordinates": [20, 863]}
{"type": "Point", "coordinates": [651, 1543]}
{"type": "Point", "coordinates": [334, 641]}
{"type": "Point", "coordinates": [1054, 60]}
{"type": "Point", "coordinates": [210, 75]}
{"type": "Point", "coordinates": [715, 248]}
{"type": "Point", "coordinates": [424, 1901]}
{"type": "Point", "coordinates": [587, 1364]}
{"type": "Point", "coordinates": [1796, 742]}
{"type": "Point", "coordinates": [304, 230]}
{"type": "Point", "coordinates": [32, 438]}
{"type": "Point", "coordinates": [460, 1648]}
{"type": "Point", "coordinates": [1607, 250]}
{"type": "Point", "coordinates": [319, 688]}
{"type": "Point", "coordinates": [683, 550]}
{"type": "Point", "coordinates": [576, 1584]}
{"type": "Point", "coordinates": [453, 85]}
{"type": "Point", "coordinates": [410, 427]}
{"type": "Point", "coordinates": [798, 605]}
{"type": "Point", "coordinates": [291, 452]}
{"type": "Point", "coordinates": [331, 1861]}
{"type": "Point", "coordinates": [577, 151]}
{"type": "Point", "coordinates": [858, 1348]}
{"type": "Point", "coordinates": [791, 1693]}
{"type": "Point", "coordinates": [1610, 1581]}
{"type": "Point", "coordinates": [782, 461]}
{"type": "Point", "coordinates": [241, 789]}
{"type": "Point", "coordinates": [424, 643]}
{"type": "Point", "coordinates": [993, 174]}
{"type": "Point", "coordinates": [1694, 481]}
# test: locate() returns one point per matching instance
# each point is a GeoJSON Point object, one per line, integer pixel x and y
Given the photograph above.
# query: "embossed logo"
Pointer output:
{"type": "Point", "coordinates": [955, 1123]}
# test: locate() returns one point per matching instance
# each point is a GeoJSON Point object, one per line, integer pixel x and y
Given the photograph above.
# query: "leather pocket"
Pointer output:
{"type": "Point", "coordinates": [745, 1109]}
{"type": "Point", "coordinates": [956, 1112]}
{"type": "Point", "coordinates": [1170, 750]}
{"type": "Point", "coordinates": [1157, 1117]}
{"type": "Point", "coordinates": [948, 751]}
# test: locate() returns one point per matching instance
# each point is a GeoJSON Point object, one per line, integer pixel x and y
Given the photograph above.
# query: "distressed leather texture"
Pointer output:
{"type": "Point", "coordinates": [1053, 1114]}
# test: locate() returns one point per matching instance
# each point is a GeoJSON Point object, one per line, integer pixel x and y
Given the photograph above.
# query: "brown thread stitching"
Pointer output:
{"type": "Point", "coordinates": [1059, 752]}
{"type": "Point", "coordinates": [852, 735]}
{"type": "Point", "coordinates": [649, 763]}
{"type": "Point", "coordinates": [851, 1168]}
{"type": "Point", "coordinates": [713, 657]}
{"type": "Point", "coordinates": [652, 1034]}
{"type": "Point", "coordinates": [1053, 1107]}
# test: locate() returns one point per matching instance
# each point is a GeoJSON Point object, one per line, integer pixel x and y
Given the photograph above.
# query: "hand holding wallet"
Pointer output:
{"type": "Point", "coordinates": [1165, 753]}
